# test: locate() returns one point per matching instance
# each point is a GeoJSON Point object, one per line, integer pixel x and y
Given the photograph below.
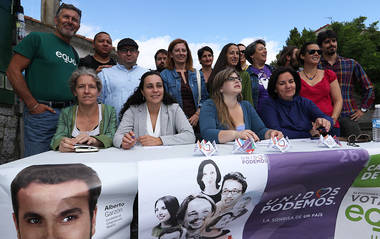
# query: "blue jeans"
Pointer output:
{"type": "Point", "coordinates": [39, 129]}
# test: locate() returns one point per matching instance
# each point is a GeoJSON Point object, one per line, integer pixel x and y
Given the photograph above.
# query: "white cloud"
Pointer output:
{"type": "Point", "coordinates": [149, 47]}
{"type": "Point", "coordinates": [88, 30]}
{"type": "Point", "coordinates": [273, 47]}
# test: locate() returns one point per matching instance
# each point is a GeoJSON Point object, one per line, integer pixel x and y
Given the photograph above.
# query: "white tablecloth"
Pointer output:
{"type": "Point", "coordinates": [138, 153]}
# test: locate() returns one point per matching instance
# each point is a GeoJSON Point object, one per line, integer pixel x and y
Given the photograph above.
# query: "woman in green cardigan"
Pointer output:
{"type": "Point", "coordinates": [87, 122]}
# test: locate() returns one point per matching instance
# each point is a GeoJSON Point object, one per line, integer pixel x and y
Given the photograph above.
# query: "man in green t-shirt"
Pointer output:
{"type": "Point", "coordinates": [48, 60]}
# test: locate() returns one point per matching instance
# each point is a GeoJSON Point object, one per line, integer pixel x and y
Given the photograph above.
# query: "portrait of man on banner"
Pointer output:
{"type": "Point", "coordinates": [55, 201]}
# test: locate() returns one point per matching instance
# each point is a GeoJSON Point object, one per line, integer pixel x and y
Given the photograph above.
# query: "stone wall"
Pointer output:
{"type": "Point", "coordinates": [9, 134]}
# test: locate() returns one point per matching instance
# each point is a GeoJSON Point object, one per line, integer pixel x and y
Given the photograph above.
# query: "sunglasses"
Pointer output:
{"type": "Point", "coordinates": [312, 52]}
{"type": "Point", "coordinates": [242, 52]}
{"type": "Point", "coordinates": [233, 79]}
{"type": "Point", "coordinates": [361, 138]}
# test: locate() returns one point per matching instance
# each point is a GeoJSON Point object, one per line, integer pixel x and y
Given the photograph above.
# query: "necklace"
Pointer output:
{"type": "Point", "coordinates": [308, 77]}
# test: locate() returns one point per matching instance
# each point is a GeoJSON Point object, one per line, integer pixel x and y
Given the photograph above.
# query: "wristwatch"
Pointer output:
{"type": "Point", "coordinates": [364, 110]}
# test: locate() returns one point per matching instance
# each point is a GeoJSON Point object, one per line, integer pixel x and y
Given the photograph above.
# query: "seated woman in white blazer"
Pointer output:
{"type": "Point", "coordinates": [151, 117]}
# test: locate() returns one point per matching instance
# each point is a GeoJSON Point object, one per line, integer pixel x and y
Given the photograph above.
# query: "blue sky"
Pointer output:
{"type": "Point", "coordinates": [155, 23]}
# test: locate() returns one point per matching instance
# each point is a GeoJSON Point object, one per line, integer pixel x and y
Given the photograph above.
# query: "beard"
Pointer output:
{"type": "Point", "coordinates": [64, 32]}
{"type": "Point", "coordinates": [331, 51]}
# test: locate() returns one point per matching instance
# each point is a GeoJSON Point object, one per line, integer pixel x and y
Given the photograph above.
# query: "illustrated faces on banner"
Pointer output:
{"type": "Point", "coordinates": [209, 175]}
{"type": "Point", "coordinates": [197, 212]}
{"type": "Point", "coordinates": [162, 212]}
{"type": "Point", "coordinates": [231, 192]}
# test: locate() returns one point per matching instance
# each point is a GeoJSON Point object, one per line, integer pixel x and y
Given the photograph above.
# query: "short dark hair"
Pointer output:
{"type": "Point", "coordinates": [324, 35]}
{"type": "Point", "coordinates": [70, 7]}
{"type": "Point", "coordinates": [274, 77]}
{"type": "Point", "coordinates": [162, 51]}
{"type": "Point", "coordinates": [202, 50]}
{"type": "Point", "coordinates": [183, 208]}
{"type": "Point", "coordinates": [251, 49]}
{"type": "Point", "coordinates": [237, 176]}
{"type": "Point", "coordinates": [200, 173]}
{"type": "Point", "coordinates": [303, 51]}
{"type": "Point", "coordinates": [137, 97]}
{"type": "Point", "coordinates": [171, 230]}
{"type": "Point", "coordinates": [286, 51]}
{"type": "Point", "coordinates": [172, 205]}
{"type": "Point", "coordinates": [56, 174]}
{"type": "Point", "coordinates": [99, 33]}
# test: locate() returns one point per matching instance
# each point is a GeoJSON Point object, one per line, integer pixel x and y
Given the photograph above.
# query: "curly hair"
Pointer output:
{"type": "Point", "coordinates": [137, 97]}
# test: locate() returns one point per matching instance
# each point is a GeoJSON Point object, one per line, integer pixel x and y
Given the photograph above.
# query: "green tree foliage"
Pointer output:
{"type": "Point", "coordinates": [355, 40]}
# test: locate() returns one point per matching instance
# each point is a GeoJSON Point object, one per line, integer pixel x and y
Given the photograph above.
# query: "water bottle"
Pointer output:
{"type": "Point", "coordinates": [376, 124]}
{"type": "Point", "coordinates": [20, 22]}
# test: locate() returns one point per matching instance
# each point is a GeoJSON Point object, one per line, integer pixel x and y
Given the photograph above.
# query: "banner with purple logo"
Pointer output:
{"type": "Point", "coordinates": [290, 195]}
{"type": "Point", "coordinates": [303, 194]}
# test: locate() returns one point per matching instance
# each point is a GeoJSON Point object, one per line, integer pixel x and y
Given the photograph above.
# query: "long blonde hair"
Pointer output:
{"type": "Point", "coordinates": [217, 96]}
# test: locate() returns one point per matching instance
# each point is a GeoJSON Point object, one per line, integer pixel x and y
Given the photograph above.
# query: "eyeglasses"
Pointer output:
{"type": "Point", "coordinates": [125, 50]}
{"type": "Point", "coordinates": [234, 78]}
{"type": "Point", "coordinates": [242, 52]}
{"type": "Point", "coordinates": [361, 138]}
{"type": "Point", "coordinates": [233, 192]}
{"type": "Point", "coordinates": [312, 52]}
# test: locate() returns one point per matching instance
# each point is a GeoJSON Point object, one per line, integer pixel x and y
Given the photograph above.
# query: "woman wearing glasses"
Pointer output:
{"type": "Point", "coordinates": [320, 86]}
{"type": "Point", "coordinates": [225, 117]}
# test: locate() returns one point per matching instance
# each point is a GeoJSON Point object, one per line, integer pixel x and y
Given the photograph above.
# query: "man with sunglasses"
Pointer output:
{"type": "Point", "coordinates": [348, 72]}
{"type": "Point", "coordinates": [120, 81]}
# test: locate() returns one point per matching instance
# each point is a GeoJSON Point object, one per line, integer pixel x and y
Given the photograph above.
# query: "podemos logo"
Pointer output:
{"type": "Point", "coordinates": [321, 197]}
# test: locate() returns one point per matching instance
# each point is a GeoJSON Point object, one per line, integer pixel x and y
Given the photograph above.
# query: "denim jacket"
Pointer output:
{"type": "Point", "coordinates": [172, 83]}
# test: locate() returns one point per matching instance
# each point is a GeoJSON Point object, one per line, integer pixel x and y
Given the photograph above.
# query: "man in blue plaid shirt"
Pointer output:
{"type": "Point", "coordinates": [348, 72]}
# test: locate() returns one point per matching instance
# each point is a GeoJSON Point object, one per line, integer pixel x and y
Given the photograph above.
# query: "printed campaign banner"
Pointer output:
{"type": "Point", "coordinates": [359, 212]}
{"type": "Point", "coordinates": [73, 201]}
{"type": "Point", "coordinates": [198, 197]}
{"type": "Point", "coordinates": [303, 195]}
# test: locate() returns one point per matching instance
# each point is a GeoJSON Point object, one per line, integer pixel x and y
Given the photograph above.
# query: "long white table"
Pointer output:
{"type": "Point", "coordinates": [139, 153]}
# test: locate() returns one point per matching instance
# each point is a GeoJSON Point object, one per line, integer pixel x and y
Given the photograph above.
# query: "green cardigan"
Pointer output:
{"type": "Point", "coordinates": [246, 86]}
{"type": "Point", "coordinates": [107, 126]}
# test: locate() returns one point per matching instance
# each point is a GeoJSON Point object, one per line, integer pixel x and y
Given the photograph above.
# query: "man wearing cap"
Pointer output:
{"type": "Point", "coordinates": [120, 81]}
{"type": "Point", "coordinates": [48, 60]}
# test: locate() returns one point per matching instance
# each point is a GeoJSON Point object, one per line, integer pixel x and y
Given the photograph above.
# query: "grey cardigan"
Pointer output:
{"type": "Point", "coordinates": [175, 127]}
